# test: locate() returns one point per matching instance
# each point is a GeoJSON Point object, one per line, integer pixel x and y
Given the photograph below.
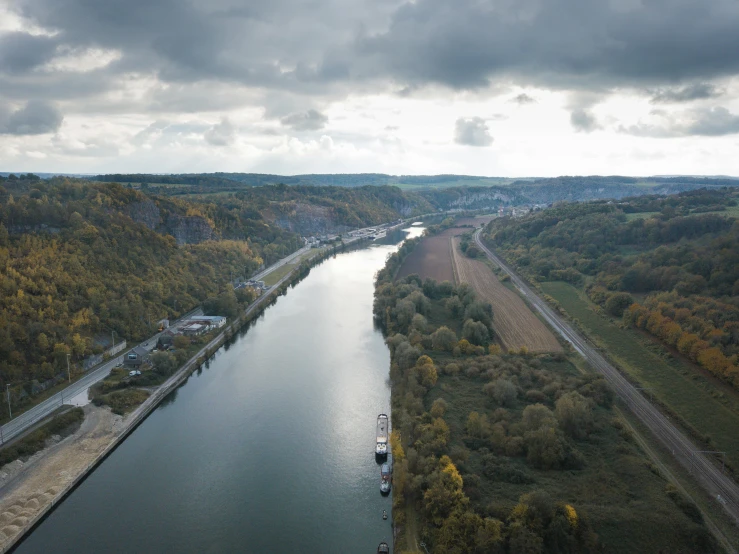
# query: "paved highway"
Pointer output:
{"type": "Point", "coordinates": [720, 487]}
{"type": "Point", "coordinates": [283, 261]}
{"type": "Point", "coordinates": [30, 417]}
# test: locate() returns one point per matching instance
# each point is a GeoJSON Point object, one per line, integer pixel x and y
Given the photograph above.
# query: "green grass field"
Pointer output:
{"type": "Point", "coordinates": [641, 215]}
{"type": "Point", "coordinates": [281, 271]}
{"type": "Point", "coordinates": [672, 381]}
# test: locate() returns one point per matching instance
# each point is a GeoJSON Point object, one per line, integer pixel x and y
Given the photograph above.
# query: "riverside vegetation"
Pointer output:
{"type": "Point", "coordinates": [510, 452]}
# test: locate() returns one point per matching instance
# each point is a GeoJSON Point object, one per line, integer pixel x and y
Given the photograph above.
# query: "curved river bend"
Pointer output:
{"type": "Point", "coordinates": [268, 449]}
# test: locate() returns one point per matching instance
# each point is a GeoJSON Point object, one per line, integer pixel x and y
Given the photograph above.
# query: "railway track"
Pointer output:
{"type": "Point", "coordinates": [711, 478]}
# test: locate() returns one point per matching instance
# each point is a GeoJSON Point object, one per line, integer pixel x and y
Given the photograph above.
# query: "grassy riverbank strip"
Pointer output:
{"type": "Point", "coordinates": [140, 413]}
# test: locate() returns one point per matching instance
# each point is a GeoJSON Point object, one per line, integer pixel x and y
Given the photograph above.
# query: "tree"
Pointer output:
{"type": "Point", "coordinates": [426, 371]}
{"type": "Point", "coordinates": [438, 408]}
{"type": "Point", "coordinates": [406, 355]}
{"type": "Point", "coordinates": [477, 425]}
{"type": "Point", "coordinates": [443, 339]}
{"type": "Point", "coordinates": [419, 323]}
{"type": "Point", "coordinates": [164, 363]}
{"type": "Point", "coordinates": [545, 448]}
{"type": "Point", "coordinates": [43, 342]}
{"type": "Point", "coordinates": [475, 332]}
{"type": "Point", "coordinates": [575, 414]}
{"type": "Point", "coordinates": [504, 392]}
{"type": "Point", "coordinates": [180, 342]}
{"type": "Point", "coordinates": [479, 311]}
{"type": "Point", "coordinates": [444, 493]}
{"type": "Point", "coordinates": [536, 416]}
{"type": "Point", "coordinates": [454, 305]}
{"type": "Point", "coordinates": [618, 303]}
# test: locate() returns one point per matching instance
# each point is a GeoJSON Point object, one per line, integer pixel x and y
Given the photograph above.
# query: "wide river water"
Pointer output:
{"type": "Point", "coordinates": [267, 449]}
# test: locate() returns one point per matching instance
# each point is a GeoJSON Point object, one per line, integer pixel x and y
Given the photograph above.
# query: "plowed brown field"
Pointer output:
{"type": "Point", "coordinates": [513, 321]}
{"type": "Point", "coordinates": [432, 258]}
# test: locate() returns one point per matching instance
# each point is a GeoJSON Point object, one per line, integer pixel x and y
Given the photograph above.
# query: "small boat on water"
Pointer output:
{"type": "Point", "coordinates": [385, 486]}
{"type": "Point", "coordinates": [383, 548]}
{"type": "Point", "coordinates": [381, 448]}
{"type": "Point", "coordinates": [385, 478]}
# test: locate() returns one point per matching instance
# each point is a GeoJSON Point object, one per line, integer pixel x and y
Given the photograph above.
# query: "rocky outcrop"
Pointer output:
{"type": "Point", "coordinates": [481, 200]}
{"type": "Point", "coordinates": [185, 229]}
{"type": "Point", "coordinates": [146, 212]}
{"type": "Point", "coordinates": [307, 220]}
{"type": "Point", "coordinates": [189, 229]}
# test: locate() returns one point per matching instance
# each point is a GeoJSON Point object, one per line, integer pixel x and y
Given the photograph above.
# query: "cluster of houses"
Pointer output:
{"type": "Point", "coordinates": [316, 242]}
{"type": "Point", "coordinates": [193, 326]}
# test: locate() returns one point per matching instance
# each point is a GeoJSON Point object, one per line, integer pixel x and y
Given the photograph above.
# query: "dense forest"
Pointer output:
{"type": "Point", "coordinates": [82, 262]}
{"type": "Point", "coordinates": [667, 265]}
{"type": "Point", "coordinates": [497, 453]}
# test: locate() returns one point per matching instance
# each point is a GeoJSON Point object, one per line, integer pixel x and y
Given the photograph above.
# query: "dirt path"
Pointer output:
{"type": "Point", "coordinates": [41, 481]}
{"type": "Point", "coordinates": [513, 321]}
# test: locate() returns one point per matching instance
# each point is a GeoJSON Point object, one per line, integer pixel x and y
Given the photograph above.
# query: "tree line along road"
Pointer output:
{"type": "Point", "coordinates": [719, 486]}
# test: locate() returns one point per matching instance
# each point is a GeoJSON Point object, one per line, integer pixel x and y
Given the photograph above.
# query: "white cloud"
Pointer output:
{"type": "Point", "coordinates": [472, 131]}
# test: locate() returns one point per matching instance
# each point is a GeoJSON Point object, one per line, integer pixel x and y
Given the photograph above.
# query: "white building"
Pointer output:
{"type": "Point", "coordinates": [209, 321]}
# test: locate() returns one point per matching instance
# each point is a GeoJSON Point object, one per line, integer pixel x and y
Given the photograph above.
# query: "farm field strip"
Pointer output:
{"type": "Point", "coordinates": [513, 321]}
{"type": "Point", "coordinates": [431, 258]}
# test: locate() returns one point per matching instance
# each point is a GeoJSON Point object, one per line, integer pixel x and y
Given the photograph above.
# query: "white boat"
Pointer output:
{"type": "Point", "coordinates": [381, 448]}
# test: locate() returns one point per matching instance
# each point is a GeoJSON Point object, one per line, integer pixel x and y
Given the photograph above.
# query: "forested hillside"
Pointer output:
{"type": "Point", "coordinates": [81, 260]}
{"type": "Point", "coordinates": [667, 265]}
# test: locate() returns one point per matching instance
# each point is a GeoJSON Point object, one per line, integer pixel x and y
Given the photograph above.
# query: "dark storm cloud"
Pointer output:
{"type": "Point", "coordinates": [312, 120]}
{"type": "Point", "coordinates": [560, 43]}
{"type": "Point", "coordinates": [698, 91]}
{"type": "Point", "coordinates": [21, 52]}
{"type": "Point", "coordinates": [472, 131]}
{"type": "Point", "coordinates": [35, 118]}
{"type": "Point", "coordinates": [337, 47]}
{"type": "Point", "coordinates": [709, 122]}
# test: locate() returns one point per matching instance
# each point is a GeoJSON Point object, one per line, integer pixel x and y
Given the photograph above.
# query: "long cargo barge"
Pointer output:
{"type": "Point", "coordinates": [381, 448]}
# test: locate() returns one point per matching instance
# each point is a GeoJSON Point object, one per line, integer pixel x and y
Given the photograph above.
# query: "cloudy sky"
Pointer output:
{"type": "Point", "coordinates": [487, 87]}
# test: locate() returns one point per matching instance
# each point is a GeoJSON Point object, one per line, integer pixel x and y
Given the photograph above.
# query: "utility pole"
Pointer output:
{"type": "Point", "coordinates": [112, 338]}
{"type": "Point", "coordinates": [10, 411]}
{"type": "Point", "coordinates": [69, 373]}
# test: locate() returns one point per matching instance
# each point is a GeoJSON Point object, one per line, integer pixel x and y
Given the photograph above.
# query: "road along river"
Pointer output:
{"type": "Point", "coordinates": [269, 448]}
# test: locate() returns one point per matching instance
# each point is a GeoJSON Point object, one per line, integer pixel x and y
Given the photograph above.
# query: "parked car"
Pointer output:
{"type": "Point", "coordinates": [134, 373]}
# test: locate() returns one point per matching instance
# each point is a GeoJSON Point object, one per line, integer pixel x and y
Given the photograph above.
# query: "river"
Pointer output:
{"type": "Point", "coordinates": [269, 448]}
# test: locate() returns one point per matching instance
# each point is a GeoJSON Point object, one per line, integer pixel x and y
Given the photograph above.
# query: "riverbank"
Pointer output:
{"type": "Point", "coordinates": [37, 485]}
{"type": "Point", "coordinates": [52, 473]}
